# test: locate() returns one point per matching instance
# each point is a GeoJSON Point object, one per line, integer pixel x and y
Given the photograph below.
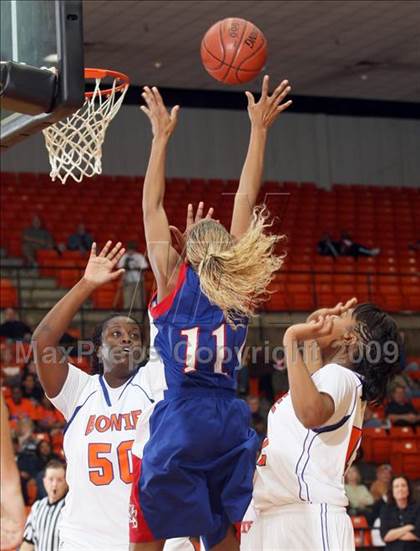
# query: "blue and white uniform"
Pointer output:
{"type": "Point", "coordinates": [198, 464]}
{"type": "Point", "coordinates": [101, 427]}
{"type": "Point", "coordinates": [299, 502]}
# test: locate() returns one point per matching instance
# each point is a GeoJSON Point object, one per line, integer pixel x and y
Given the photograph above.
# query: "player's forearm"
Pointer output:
{"type": "Point", "coordinates": [308, 402]}
{"type": "Point", "coordinates": [154, 181]}
{"type": "Point", "coordinates": [252, 171]}
{"type": "Point", "coordinates": [250, 182]}
{"type": "Point", "coordinates": [54, 324]}
{"type": "Point", "coordinates": [9, 474]}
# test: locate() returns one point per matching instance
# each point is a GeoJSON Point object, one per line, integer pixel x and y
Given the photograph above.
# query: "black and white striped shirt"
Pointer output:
{"type": "Point", "coordinates": [41, 528]}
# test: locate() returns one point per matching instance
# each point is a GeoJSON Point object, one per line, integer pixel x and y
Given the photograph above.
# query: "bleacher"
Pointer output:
{"type": "Point", "coordinates": [111, 208]}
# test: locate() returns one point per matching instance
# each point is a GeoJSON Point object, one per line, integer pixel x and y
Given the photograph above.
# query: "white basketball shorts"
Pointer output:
{"type": "Point", "coordinates": [298, 527]}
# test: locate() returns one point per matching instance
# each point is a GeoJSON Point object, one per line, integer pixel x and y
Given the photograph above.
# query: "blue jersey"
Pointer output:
{"type": "Point", "coordinates": [195, 342]}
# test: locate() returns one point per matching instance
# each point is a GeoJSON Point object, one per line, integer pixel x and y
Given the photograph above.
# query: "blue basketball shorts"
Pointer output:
{"type": "Point", "coordinates": [197, 469]}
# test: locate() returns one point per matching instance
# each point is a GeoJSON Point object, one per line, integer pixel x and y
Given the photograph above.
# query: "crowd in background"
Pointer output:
{"type": "Point", "coordinates": [37, 237]}
{"type": "Point", "coordinates": [37, 426]}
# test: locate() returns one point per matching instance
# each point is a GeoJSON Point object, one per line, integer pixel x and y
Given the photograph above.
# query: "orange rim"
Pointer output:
{"type": "Point", "coordinates": [122, 80]}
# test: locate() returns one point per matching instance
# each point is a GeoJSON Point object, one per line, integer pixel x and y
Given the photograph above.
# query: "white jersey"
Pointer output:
{"type": "Point", "coordinates": [299, 465]}
{"type": "Point", "coordinates": [98, 438]}
{"type": "Point", "coordinates": [154, 382]}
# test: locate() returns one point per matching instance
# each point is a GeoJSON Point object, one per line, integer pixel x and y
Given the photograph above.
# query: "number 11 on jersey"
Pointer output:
{"type": "Point", "coordinates": [192, 348]}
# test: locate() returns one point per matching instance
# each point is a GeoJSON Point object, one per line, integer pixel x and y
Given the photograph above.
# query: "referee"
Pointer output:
{"type": "Point", "coordinates": [41, 529]}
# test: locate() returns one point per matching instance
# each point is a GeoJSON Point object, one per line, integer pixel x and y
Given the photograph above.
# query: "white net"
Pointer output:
{"type": "Point", "coordinates": [75, 144]}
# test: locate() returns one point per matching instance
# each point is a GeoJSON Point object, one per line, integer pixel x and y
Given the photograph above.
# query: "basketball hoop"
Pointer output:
{"type": "Point", "coordinates": [75, 144]}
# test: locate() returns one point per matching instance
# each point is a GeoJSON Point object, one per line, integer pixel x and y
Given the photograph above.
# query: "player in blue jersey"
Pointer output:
{"type": "Point", "coordinates": [197, 467]}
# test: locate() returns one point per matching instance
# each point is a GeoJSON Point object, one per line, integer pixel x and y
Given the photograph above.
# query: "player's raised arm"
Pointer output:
{"type": "Point", "coordinates": [312, 407]}
{"type": "Point", "coordinates": [12, 511]}
{"type": "Point", "coordinates": [51, 364]}
{"type": "Point", "coordinates": [262, 114]}
{"type": "Point", "coordinates": [163, 257]}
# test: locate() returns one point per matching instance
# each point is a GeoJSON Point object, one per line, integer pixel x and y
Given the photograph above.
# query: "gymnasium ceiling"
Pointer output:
{"type": "Point", "coordinates": [342, 48]}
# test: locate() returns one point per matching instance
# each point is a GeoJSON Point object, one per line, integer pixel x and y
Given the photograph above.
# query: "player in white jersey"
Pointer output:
{"type": "Point", "coordinates": [314, 431]}
{"type": "Point", "coordinates": [101, 412]}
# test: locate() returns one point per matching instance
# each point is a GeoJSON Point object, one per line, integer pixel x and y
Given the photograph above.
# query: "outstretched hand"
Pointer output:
{"type": "Point", "coordinates": [100, 268]}
{"type": "Point", "coordinates": [264, 112]}
{"type": "Point", "coordinates": [163, 122]}
{"type": "Point", "coordinates": [179, 237]}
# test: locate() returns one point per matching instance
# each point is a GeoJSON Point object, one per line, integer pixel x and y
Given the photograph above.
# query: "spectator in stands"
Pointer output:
{"type": "Point", "coordinates": [34, 238]}
{"type": "Point", "coordinates": [44, 455]}
{"type": "Point", "coordinates": [31, 388]}
{"type": "Point", "coordinates": [81, 240]}
{"type": "Point", "coordinates": [243, 375]}
{"type": "Point", "coordinates": [49, 418]}
{"type": "Point", "coordinates": [254, 407]}
{"type": "Point", "coordinates": [358, 495]}
{"type": "Point", "coordinates": [134, 264]}
{"type": "Point", "coordinates": [10, 368]}
{"type": "Point", "coordinates": [380, 487]}
{"type": "Point", "coordinates": [372, 422]}
{"type": "Point", "coordinates": [280, 379]}
{"type": "Point", "coordinates": [327, 247]}
{"type": "Point", "coordinates": [27, 460]}
{"type": "Point", "coordinates": [25, 435]}
{"type": "Point", "coordinates": [400, 410]}
{"type": "Point", "coordinates": [14, 329]}
{"type": "Point", "coordinates": [263, 369]}
{"type": "Point", "coordinates": [348, 247]}
{"type": "Point", "coordinates": [29, 368]}
{"type": "Point", "coordinates": [41, 529]}
{"type": "Point", "coordinates": [257, 417]}
{"type": "Point", "coordinates": [400, 518]}
{"type": "Point", "coordinates": [20, 406]}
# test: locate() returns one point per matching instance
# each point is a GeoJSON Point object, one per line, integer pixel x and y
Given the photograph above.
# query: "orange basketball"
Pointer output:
{"type": "Point", "coordinates": [233, 50]}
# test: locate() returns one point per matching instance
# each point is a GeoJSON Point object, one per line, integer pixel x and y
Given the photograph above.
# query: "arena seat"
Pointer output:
{"type": "Point", "coordinates": [109, 296]}
{"type": "Point", "coordinates": [31, 490]}
{"type": "Point", "coordinates": [376, 445]}
{"type": "Point", "coordinates": [8, 294]}
{"type": "Point", "coordinates": [405, 458]}
{"type": "Point", "coordinates": [416, 401]}
{"type": "Point", "coordinates": [378, 411]}
{"type": "Point", "coordinates": [401, 433]}
{"type": "Point", "coordinates": [377, 216]}
{"type": "Point", "coordinates": [362, 533]}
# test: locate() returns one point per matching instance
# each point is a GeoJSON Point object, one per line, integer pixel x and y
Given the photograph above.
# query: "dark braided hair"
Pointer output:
{"type": "Point", "coordinates": [377, 359]}
{"type": "Point", "coordinates": [96, 365]}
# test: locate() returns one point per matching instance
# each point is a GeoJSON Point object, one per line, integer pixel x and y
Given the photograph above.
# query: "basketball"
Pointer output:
{"type": "Point", "coordinates": [234, 51]}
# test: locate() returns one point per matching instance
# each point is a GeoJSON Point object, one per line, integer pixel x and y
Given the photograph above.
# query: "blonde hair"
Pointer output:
{"type": "Point", "coordinates": [234, 274]}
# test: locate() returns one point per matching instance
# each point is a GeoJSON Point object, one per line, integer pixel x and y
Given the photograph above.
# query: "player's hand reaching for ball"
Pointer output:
{"type": "Point", "coordinates": [163, 122]}
{"type": "Point", "coordinates": [265, 111]}
{"type": "Point", "coordinates": [101, 268]}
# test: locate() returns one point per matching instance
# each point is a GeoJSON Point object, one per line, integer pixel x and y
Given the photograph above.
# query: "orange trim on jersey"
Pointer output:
{"type": "Point", "coordinates": [355, 437]}
{"type": "Point", "coordinates": [164, 305]}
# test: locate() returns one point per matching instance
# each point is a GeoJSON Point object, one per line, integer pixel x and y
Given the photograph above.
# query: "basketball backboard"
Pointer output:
{"type": "Point", "coordinates": [37, 35]}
